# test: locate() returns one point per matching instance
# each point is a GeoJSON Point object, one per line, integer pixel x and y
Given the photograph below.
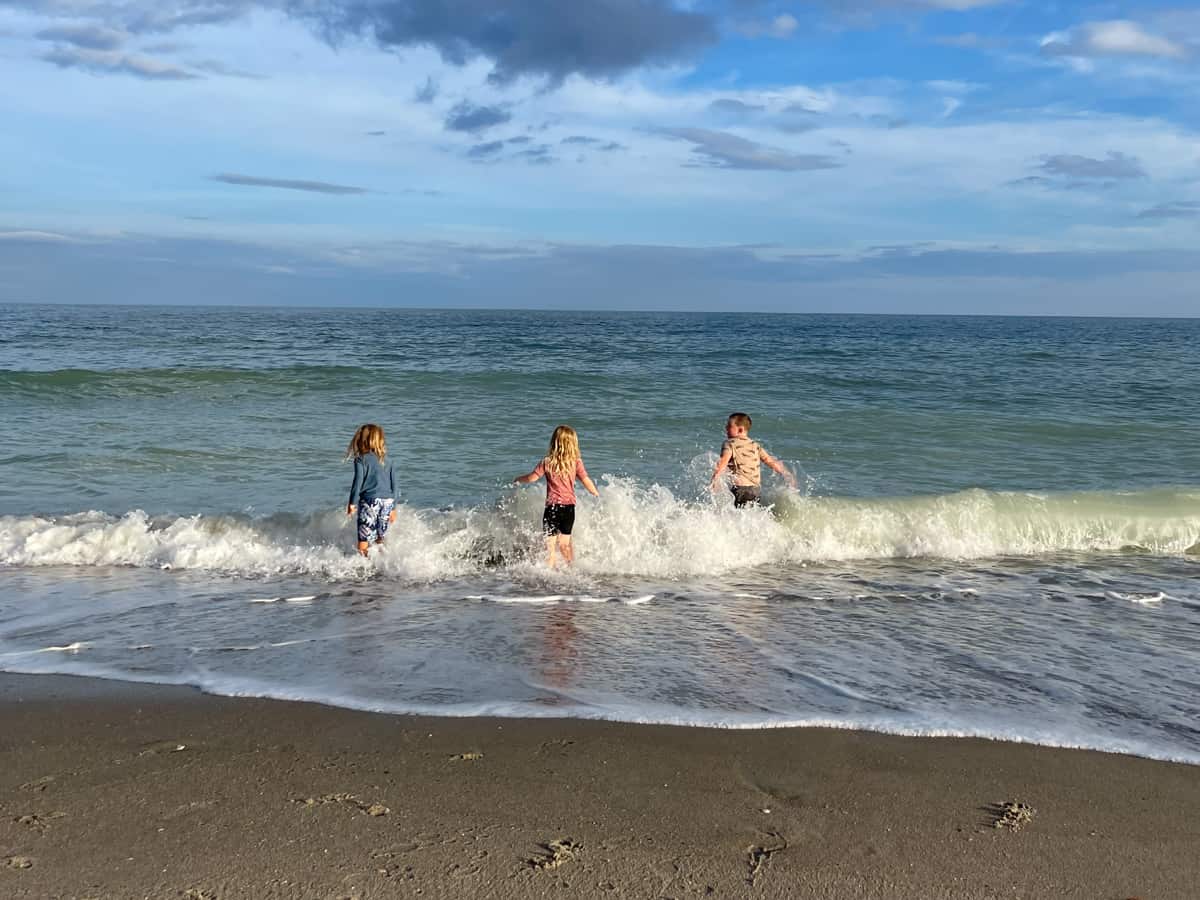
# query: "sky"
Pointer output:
{"type": "Point", "coordinates": [902, 156]}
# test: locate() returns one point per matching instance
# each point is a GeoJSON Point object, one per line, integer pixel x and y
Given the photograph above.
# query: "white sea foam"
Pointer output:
{"type": "Point", "coordinates": [633, 530]}
{"type": "Point", "coordinates": [1140, 599]}
{"type": "Point", "coordinates": [650, 713]}
{"type": "Point", "coordinates": [68, 648]}
{"type": "Point", "coordinates": [561, 598]}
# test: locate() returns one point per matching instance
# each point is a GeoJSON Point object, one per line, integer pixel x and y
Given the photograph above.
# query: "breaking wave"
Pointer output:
{"type": "Point", "coordinates": [633, 530]}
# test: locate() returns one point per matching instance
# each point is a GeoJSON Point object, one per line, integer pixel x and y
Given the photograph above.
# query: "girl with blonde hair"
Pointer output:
{"type": "Point", "coordinates": [562, 466]}
{"type": "Point", "coordinates": [373, 491]}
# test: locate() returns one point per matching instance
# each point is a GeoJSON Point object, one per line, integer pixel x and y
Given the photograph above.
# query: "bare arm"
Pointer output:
{"type": "Point", "coordinates": [527, 479]}
{"type": "Point", "coordinates": [722, 465]}
{"type": "Point", "coordinates": [590, 485]}
{"type": "Point", "coordinates": [777, 466]}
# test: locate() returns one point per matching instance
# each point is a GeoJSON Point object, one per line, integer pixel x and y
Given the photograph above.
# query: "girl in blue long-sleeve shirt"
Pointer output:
{"type": "Point", "coordinates": [374, 489]}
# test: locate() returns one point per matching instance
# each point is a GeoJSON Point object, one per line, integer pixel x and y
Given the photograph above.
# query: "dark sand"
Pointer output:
{"type": "Point", "coordinates": [287, 800]}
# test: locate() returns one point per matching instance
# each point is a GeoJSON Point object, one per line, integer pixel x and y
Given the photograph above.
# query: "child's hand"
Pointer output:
{"type": "Point", "coordinates": [392, 516]}
{"type": "Point", "coordinates": [350, 509]}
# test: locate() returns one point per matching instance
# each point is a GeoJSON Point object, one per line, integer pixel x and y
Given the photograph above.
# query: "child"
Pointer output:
{"type": "Point", "coordinates": [374, 487]}
{"type": "Point", "coordinates": [561, 466]}
{"type": "Point", "coordinates": [742, 456]}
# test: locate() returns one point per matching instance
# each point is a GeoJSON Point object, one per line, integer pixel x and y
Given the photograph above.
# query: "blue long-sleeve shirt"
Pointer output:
{"type": "Point", "coordinates": [372, 480]}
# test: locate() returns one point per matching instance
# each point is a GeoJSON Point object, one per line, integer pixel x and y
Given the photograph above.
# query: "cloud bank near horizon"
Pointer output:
{"type": "Point", "coordinates": [918, 278]}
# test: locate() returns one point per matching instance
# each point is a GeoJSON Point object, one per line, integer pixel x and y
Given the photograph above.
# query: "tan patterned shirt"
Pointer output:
{"type": "Point", "coordinates": [744, 461]}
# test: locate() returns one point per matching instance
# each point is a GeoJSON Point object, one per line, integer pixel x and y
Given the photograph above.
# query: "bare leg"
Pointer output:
{"type": "Point", "coordinates": [363, 548]}
{"type": "Point", "coordinates": [564, 547]}
{"type": "Point", "coordinates": [551, 558]}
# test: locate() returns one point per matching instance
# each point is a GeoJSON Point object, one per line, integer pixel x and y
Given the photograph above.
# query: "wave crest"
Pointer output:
{"type": "Point", "coordinates": [633, 530]}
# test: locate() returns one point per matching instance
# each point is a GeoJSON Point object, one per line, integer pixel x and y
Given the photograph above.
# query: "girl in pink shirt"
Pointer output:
{"type": "Point", "coordinates": [562, 466]}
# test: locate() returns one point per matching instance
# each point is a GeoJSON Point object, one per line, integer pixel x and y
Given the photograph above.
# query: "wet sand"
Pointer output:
{"type": "Point", "coordinates": [127, 791]}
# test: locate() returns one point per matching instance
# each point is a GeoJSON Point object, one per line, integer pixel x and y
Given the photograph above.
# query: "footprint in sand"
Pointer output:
{"type": "Point", "coordinates": [38, 785]}
{"type": "Point", "coordinates": [557, 852]}
{"type": "Point", "coordinates": [1011, 814]}
{"type": "Point", "coordinates": [760, 855]}
{"type": "Point", "coordinates": [371, 809]}
{"type": "Point", "coordinates": [36, 822]}
{"type": "Point", "coordinates": [19, 862]}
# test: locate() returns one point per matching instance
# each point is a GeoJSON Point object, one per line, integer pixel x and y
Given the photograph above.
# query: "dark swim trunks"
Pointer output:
{"type": "Point", "coordinates": [745, 494]}
{"type": "Point", "coordinates": [559, 518]}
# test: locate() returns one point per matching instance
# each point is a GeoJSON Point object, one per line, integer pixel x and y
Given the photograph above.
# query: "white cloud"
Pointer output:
{"type": "Point", "coordinates": [782, 26]}
{"type": "Point", "coordinates": [38, 237]}
{"type": "Point", "coordinates": [1117, 37]}
{"type": "Point", "coordinates": [959, 5]}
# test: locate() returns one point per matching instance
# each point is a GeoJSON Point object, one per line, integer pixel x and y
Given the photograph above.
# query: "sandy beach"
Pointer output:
{"type": "Point", "coordinates": [116, 790]}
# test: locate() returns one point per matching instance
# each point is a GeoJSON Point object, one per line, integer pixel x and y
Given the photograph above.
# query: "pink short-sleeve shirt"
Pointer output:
{"type": "Point", "coordinates": [560, 489]}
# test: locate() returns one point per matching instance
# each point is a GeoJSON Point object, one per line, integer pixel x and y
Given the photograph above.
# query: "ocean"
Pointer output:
{"type": "Point", "coordinates": [996, 531]}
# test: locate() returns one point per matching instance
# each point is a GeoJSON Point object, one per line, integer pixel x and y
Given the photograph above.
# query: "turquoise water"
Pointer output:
{"type": "Point", "coordinates": [997, 529]}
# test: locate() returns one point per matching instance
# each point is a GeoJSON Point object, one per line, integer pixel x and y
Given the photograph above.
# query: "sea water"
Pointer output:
{"type": "Point", "coordinates": [996, 530]}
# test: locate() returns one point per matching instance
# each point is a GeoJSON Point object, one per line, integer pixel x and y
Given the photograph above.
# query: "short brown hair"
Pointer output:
{"type": "Point", "coordinates": [741, 420]}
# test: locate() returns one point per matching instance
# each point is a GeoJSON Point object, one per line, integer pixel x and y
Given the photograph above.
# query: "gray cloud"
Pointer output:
{"type": "Point", "coordinates": [723, 150]}
{"type": "Point", "coordinates": [113, 62]}
{"type": "Point", "coordinates": [730, 107]}
{"type": "Point", "coordinates": [319, 187]}
{"type": "Point", "coordinates": [490, 151]}
{"type": "Point", "coordinates": [216, 67]}
{"type": "Point", "coordinates": [90, 37]}
{"type": "Point", "coordinates": [148, 16]}
{"type": "Point", "coordinates": [796, 117]}
{"type": "Point", "coordinates": [539, 38]}
{"type": "Point", "coordinates": [466, 116]}
{"type": "Point", "coordinates": [485, 151]}
{"type": "Point", "coordinates": [599, 38]}
{"type": "Point", "coordinates": [593, 142]}
{"type": "Point", "coordinates": [427, 92]}
{"type": "Point", "coordinates": [536, 156]}
{"type": "Point", "coordinates": [166, 47]}
{"type": "Point", "coordinates": [1115, 165]}
{"type": "Point", "coordinates": [1062, 184]}
{"type": "Point", "coordinates": [900, 278]}
{"type": "Point", "coordinates": [1176, 209]}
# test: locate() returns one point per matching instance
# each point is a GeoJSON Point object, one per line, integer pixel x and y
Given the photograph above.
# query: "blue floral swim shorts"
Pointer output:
{"type": "Point", "coordinates": [373, 518]}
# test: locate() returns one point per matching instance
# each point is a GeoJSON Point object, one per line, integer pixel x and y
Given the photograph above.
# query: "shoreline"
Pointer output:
{"type": "Point", "coordinates": [121, 789]}
{"type": "Point", "coordinates": [60, 685]}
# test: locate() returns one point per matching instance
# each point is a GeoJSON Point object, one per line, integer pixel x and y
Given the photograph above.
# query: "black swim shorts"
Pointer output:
{"type": "Point", "coordinates": [744, 494]}
{"type": "Point", "coordinates": [559, 518]}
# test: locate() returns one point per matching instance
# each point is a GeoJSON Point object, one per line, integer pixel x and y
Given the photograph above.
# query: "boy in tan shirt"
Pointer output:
{"type": "Point", "coordinates": [741, 457]}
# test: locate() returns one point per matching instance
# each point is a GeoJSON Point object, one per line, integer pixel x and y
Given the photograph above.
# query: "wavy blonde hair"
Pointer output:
{"type": "Point", "coordinates": [368, 439]}
{"type": "Point", "coordinates": [564, 451]}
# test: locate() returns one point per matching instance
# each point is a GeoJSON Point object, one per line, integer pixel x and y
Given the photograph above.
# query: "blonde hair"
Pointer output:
{"type": "Point", "coordinates": [739, 420]}
{"type": "Point", "coordinates": [368, 439]}
{"type": "Point", "coordinates": [564, 451]}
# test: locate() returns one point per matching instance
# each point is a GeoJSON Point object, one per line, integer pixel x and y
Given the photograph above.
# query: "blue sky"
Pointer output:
{"type": "Point", "coordinates": [990, 156]}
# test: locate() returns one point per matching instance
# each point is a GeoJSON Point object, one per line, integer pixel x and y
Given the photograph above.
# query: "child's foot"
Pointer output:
{"type": "Point", "coordinates": [363, 549]}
